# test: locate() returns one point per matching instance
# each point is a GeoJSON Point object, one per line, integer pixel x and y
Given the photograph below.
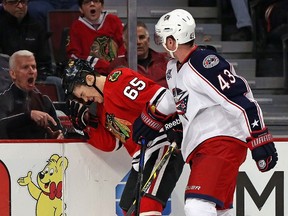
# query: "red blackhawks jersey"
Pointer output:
{"type": "Point", "coordinates": [126, 93]}
{"type": "Point", "coordinates": [98, 44]}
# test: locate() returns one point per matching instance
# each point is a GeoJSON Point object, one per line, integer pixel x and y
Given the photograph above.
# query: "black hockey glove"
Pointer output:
{"type": "Point", "coordinates": [79, 115]}
{"type": "Point", "coordinates": [263, 149]}
{"type": "Point", "coordinates": [148, 124]}
{"type": "Point", "coordinates": [174, 130]}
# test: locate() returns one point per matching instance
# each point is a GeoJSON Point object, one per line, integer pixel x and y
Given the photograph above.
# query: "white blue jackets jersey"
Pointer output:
{"type": "Point", "coordinates": [211, 99]}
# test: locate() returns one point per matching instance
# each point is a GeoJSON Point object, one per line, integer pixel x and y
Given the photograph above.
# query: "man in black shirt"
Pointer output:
{"type": "Point", "coordinates": [20, 31]}
{"type": "Point", "coordinates": [24, 112]}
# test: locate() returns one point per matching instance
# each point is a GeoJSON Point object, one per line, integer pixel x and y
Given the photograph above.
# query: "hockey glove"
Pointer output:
{"type": "Point", "coordinates": [79, 115]}
{"type": "Point", "coordinates": [263, 149]}
{"type": "Point", "coordinates": [148, 124]}
{"type": "Point", "coordinates": [174, 130]}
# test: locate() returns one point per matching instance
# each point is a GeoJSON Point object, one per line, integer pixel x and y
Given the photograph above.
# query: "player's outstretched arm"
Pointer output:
{"type": "Point", "coordinates": [153, 117]}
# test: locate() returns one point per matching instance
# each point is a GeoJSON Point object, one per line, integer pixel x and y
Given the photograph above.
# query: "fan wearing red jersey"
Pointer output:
{"type": "Point", "coordinates": [95, 36]}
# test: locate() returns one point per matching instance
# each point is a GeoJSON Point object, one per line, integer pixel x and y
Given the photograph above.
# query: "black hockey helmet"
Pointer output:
{"type": "Point", "coordinates": [75, 73]}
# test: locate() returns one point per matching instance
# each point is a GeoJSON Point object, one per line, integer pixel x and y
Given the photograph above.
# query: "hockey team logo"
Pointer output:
{"type": "Point", "coordinates": [114, 77]}
{"type": "Point", "coordinates": [262, 164]}
{"type": "Point", "coordinates": [118, 127]}
{"type": "Point", "coordinates": [181, 100]}
{"type": "Point", "coordinates": [168, 74]}
{"type": "Point", "coordinates": [192, 35]}
{"type": "Point", "coordinates": [210, 61]}
{"type": "Point", "coordinates": [166, 17]}
{"type": "Point", "coordinates": [172, 124]}
{"type": "Point", "coordinates": [104, 47]}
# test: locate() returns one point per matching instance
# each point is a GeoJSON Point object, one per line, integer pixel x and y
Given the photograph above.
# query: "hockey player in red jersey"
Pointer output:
{"type": "Point", "coordinates": [95, 36]}
{"type": "Point", "coordinates": [120, 99]}
{"type": "Point", "coordinates": [220, 118]}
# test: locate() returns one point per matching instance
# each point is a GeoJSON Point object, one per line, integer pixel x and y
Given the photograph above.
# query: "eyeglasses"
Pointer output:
{"type": "Point", "coordinates": [89, 1]}
{"type": "Point", "coordinates": [17, 2]}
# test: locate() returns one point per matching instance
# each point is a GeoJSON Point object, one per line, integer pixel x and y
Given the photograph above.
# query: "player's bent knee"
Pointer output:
{"type": "Point", "coordinates": [196, 207]}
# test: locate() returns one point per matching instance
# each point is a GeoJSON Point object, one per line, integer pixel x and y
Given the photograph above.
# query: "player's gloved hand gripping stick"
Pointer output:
{"type": "Point", "coordinates": [174, 130]}
{"type": "Point", "coordinates": [148, 124]}
{"type": "Point", "coordinates": [263, 149]}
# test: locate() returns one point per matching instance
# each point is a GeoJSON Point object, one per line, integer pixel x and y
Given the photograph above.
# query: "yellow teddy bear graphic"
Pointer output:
{"type": "Point", "coordinates": [49, 192]}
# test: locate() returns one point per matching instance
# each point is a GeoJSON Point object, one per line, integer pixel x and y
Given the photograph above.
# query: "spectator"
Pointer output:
{"type": "Point", "coordinates": [24, 112]}
{"type": "Point", "coordinates": [95, 36]}
{"type": "Point", "coordinates": [150, 63]}
{"type": "Point", "coordinates": [220, 118]}
{"type": "Point", "coordinates": [39, 9]}
{"type": "Point", "coordinates": [121, 97]}
{"type": "Point", "coordinates": [20, 31]}
{"type": "Point", "coordinates": [243, 21]}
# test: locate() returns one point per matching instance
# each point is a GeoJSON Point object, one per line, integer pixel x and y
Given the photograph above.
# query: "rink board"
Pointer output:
{"type": "Point", "coordinates": [93, 180]}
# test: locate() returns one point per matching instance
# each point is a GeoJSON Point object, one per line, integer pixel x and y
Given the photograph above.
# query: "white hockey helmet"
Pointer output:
{"type": "Point", "coordinates": [178, 23]}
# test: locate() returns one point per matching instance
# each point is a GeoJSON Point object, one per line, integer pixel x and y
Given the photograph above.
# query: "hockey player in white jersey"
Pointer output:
{"type": "Point", "coordinates": [220, 118]}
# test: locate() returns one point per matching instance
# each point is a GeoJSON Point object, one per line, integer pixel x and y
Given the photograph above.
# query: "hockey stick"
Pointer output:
{"type": "Point", "coordinates": [153, 175]}
{"type": "Point", "coordinates": [140, 176]}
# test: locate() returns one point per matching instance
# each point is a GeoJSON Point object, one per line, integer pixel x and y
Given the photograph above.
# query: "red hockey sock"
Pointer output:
{"type": "Point", "coordinates": [149, 205]}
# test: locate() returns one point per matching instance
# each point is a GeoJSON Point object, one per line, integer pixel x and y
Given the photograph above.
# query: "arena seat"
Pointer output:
{"type": "Point", "coordinates": [58, 21]}
{"type": "Point", "coordinates": [48, 89]}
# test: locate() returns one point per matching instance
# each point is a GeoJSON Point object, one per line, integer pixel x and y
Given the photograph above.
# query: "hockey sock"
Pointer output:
{"type": "Point", "coordinates": [150, 206]}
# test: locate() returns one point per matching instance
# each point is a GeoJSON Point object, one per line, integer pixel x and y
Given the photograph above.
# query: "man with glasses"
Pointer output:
{"type": "Point", "coordinates": [19, 13]}
{"type": "Point", "coordinates": [19, 31]}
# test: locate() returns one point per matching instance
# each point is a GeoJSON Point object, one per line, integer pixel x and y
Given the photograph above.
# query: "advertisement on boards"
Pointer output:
{"type": "Point", "coordinates": [74, 178]}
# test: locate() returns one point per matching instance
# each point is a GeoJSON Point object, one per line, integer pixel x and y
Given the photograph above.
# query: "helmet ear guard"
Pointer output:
{"type": "Point", "coordinates": [178, 23]}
